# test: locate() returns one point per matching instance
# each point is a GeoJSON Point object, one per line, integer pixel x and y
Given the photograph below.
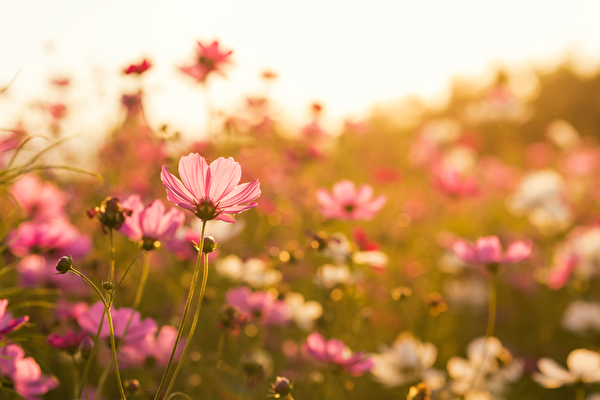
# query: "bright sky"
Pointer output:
{"type": "Point", "coordinates": [346, 54]}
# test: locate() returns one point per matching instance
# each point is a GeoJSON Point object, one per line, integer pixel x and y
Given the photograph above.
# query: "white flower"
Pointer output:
{"type": "Point", "coordinates": [331, 275]}
{"type": "Point", "coordinates": [254, 271]}
{"type": "Point", "coordinates": [466, 292]}
{"type": "Point", "coordinates": [487, 371]}
{"type": "Point", "coordinates": [581, 317]}
{"type": "Point", "coordinates": [337, 248]}
{"type": "Point", "coordinates": [584, 366]}
{"type": "Point", "coordinates": [304, 313]}
{"type": "Point", "coordinates": [407, 361]}
{"type": "Point", "coordinates": [562, 134]}
{"type": "Point", "coordinates": [374, 259]}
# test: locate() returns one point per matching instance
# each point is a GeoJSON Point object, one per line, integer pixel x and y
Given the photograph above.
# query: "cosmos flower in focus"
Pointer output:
{"type": "Point", "coordinates": [210, 192]}
{"type": "Point", "coordinates": [346, 202]}
{"type": "Point", "coordinates": [208, 59]}
{"type": "Point", "coordinates": [488, 250]}
{"type": "Point", "coordinates": [138, 69]}
{"type": "Point", "coordinates": [334, 352]}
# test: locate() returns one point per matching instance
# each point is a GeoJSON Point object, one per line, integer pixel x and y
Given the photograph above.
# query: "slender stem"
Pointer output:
{"type": "Point", "coordinates": [111, 256]}
{"type": "Point", "coordinates": [113, 348]}
{"type": "Point", "coordinates": [193, 328]}
{"type": "Point", "coordinates": [492, 308]}
{"type": "Point", "coordinates": [580, 392]}
{"type": "Point", "coordinates": [86, 279]}
{"type": "Point", "coordinates": [101, 381]}
{"type": "Point", "coordinates": [88, 363]}
{"type": "Point", "coordinates": [75, 376]}
{"type": "Point", "coordinates": [186, 310]}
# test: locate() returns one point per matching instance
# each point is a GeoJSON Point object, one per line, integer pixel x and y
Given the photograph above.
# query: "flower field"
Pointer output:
{"type": "Point", "coordinates": [422, 253]}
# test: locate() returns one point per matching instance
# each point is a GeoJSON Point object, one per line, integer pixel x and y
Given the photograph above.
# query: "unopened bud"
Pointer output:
{"type": "Point", "coordinates": [210, 245]}
{"type": "Point", "coordinates": [133, 385]}
{"type": "Point", "coordinates": [108, 285]}
{"type": "Point", "coordinates": [64, 264]}
{"type": "Point", "coordinates": [86, 347]}
{"type": "Point", "coordinates": [281, 387]}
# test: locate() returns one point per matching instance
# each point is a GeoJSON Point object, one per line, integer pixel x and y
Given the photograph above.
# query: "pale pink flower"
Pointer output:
{"type": "Point", "coordinates": [40, 200]}
{"type": "Point", "coordinates": [259, 305]}
{"type": "Point", "coordinates": [451, 182]}
{"type": "Point", "coordinates": [210, 192]}
{"type": "Point", "coordinates": [160, 347]}
{"type": "Point", "coordinates": [58, 111]}
{"type": "Point", "coordinates": [208, 59]}
{"type": "Point", "coordinates": [488, 250]}
{"type": "Point", "coordinates": [40, 271]}
{"type": "Point", "coordinates": [49, 238]}
{"type": "Point", "coordinates": [9, 324]}
{"type": "Point", "coordinates": [24, 373]}
{"type": "Point", "coordinates": [349, 203]}
{"type": "Point", "coordinates": [150, 224]}
{"type": "Point", "coordinates": [335, 353]}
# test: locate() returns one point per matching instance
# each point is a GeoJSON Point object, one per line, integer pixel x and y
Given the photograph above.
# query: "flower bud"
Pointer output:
{"type": "Point", "coordinates": [210, 245]}
{"type": "Point", "coordinates": [86, 347]}
{"type": "Point", "coordinates": [133, 385]}
{"type": "Point", "coordinates": [232, 319]}
{"type": "Point", "coordinates": [64, 264]}
{"type": "Point", "coordinates": [110, 213]}
{"type": "Point", "coordinates": [281, 387]}
{"type": "Point", "coordinates": [108, 285]}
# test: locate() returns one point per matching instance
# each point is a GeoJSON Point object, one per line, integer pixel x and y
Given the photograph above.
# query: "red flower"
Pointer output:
{"type": "Point", "coordinates": [208, 59]}
{"type": "Point", "coordinates": [138, 68]}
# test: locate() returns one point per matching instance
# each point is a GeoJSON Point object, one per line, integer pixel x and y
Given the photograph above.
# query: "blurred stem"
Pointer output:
{"type": "Point", "coordinates": [113, 348]}
{"type": "Point", "coordinates": [186, 310]}
{"type": "Point", "coordinates": [196, 314]}
{"type": "Point", "coordinates": [209, 109]}
{"type": "Point", "coordinates": [111, 256]}
{"type": "Point", "coordinates": [88, 363]}
{"type": "Point", "coordinates": [75, 376]}
{"type": "Point", "coordinates": [580, 392]}
{"type": "Point", "coordinates": [492, 307]}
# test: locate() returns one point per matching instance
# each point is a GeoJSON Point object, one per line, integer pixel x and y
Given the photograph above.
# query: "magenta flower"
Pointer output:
{"type": "Point", "coordinates": [151, 224]}
{"type": "Point", "coordinates": [48, 238]}
{"type": "Point", "coordinates": [488, 250]}
{"type": "Point", "coordinates": [335, 353]}
{"type": "Point", "coordinates": [348, 203]}
{"type": "Point", "coordinates": [138, 329]}
{"type": "Point", "coordinates": [208, 59]}
{"type": "Point", "coordinates": [41, 201]}
{"type": "Point", "coordinates": [68, 342]}
{"type": "Point", "coordinates": [160, 347]}
{"type": "Point", "coordinates": [259, 306]}
{"type": "Point", "coordinates": [9, 324]}
{"type": "Point", "coordinates": [24, 373]}
{"type": "Point", "coordinates": [210, 192]}
{"type": "Point", "coordinates": [138, 69]}
{"type": "Point", "coordinates": [39, 271]}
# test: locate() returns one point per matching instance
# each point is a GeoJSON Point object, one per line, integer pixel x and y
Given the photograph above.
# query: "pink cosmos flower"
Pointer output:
{"type": "Point", "coordinates": [58, 111]}
{"type": "Point", "coordinates": [259, 305]}
{"type": "Point", "coordinates": [488, 250]}
{"type": "Point", "coordinates": [24, 373]}
{"type": "Point", "coordinates": [348, 203]}
{"type": "Point", "coordinates": [210, 192]}
{"type": "Point", "coordinates": [7, 323]}
{"type": "Point", "coordinates": [40, 271]}
{"type": "Point", "coordinates": [208, 59]}
{"type": "Point", "coordinates": [160, 347]}
{"type": "Point", "coordinates": [335, 353]}
{"type": "Point", "coordinates": [138, 69]}
{"type": "Point", "coordinates": [49, 238]}
{"type": "Point", "coordinates": [69, 342]}
{"type": "Point", "coordinates": [41, 201]}
{"type": "Point", "coordinates": [184, 245]}
{"type": "Point", "coordinates": [450, 182]}
{"type": "Point", "coordinates": [151, 224]}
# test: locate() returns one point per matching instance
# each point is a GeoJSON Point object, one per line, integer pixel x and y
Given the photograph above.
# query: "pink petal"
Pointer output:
{"type": "Point", "coordinates": [193, 171]}
{"type": "Point", "coordinates": [241, 194]}
{"type": "Point", "coordinates": [344, 191]}
{"type": "Point", "coordinates": [225, 175]}
{"type": "Point", "coordinates": [365, 193]}
{"type": "Point", "coordinates": [517, 251]}
{"type": "Point", "coordinates": [335, 350]}
{"type": "Point", "coordinates": [465, 251]}
{"type": "Point", "coordinates": [150, 219]}
{"type": "Point", "coordinates": [324, 198]}
{"type": "Point", "coordinates": [489, 249]}
{"type": "Point", "coordinates": [170, 222]}
{"type": "Point", "coordinates": [316, 346]}
{"type": "Point", "coordinates": [176, 191]}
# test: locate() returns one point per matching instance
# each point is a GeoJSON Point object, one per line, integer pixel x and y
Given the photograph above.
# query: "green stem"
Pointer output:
{"type": "Point", "coordinates": [491, 308]}
{"type": "Point", "coordinates": [580, 392]}
{"type": "Point", "coordinates": [194, 323]}
{"type": "Point", "coordinates": [113, 348]}
{"type": "Point", "coordinates": [111, 256]}
{"type": "Point", "coordinates": [136, 303]}
{"type": "Point", "coordinates": [88, 363]}
{"type": "Point", "coordinates": [86, 279]}
{"type": "Point", "coordinates": [186, 310]}
{"type": "Point", "coordinates": [75, 376]}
